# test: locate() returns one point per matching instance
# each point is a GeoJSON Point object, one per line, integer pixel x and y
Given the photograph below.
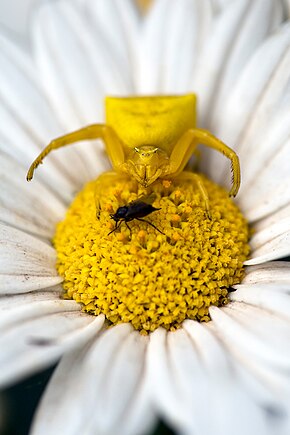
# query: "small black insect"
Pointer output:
{"type": "Point", "coordinates": [137, 209]}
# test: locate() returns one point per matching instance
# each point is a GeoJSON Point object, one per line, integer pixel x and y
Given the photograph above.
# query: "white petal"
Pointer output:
{"type": "Point", "coordinates": [37, 343]}
{"type": "Point", "coordinates": [162, 385]}
{"type": "Point", "coordinates": [116, 27]}
{"type": "Point", "coordinates": [276, 272]}
{"type": "Point", "coordinates": [20, 313]}
{"type": "Point", "coordinates": [226, 393]}
{"type": "Point", "coordinates": [79, 67]}
{"type": "Point", "coordinates": [27, 122]}
{"type": "Point", "coordinates": [275, 217]}
{"type": "Point", "coordinates": [86, 373]}
{"type": "Point", "coordinates": [270, 144]}
{"type": "Point", "coordinates": [150, 50]}
{"type": "Point", "coordinates": [237, 31]}
{"type": "Point", "coordinates": [261, 238]}
{"type": "Point", "coordinates": [23, 283]}
{"type": "Point", "coordinates": [188, 25]}
{"type": "Point", "coordinates": [250, 117]}
{"type": "Point", "coordinates": [272, 297]}
{"type": "Point", "coordinates": [127, 374]}
{"type": "Point", "coordinates": [189, 380]}
{"type": "Point", "coordinates": [30, 207]}
{"type": "Point", "coordinates": [27, 258]}
{"type": "Point", "coordinates": [73, 75]}
{"type": "Point", "coordinates": [268, 385]}
{"type": "Point", "coordinates": [269, 351]}
{"type": "Point", "coordinates": [261, 86]}
{"type": "Point", "coordinates": [8, 302]}
{"type": "Point", "coordinates": [271, 181]}
{"type": "Point", "coordinates": [279, 196]}
{"type": "Point", "coordinates": [263, 391]}
{"type": "Point", "coordinates": [276, 248]}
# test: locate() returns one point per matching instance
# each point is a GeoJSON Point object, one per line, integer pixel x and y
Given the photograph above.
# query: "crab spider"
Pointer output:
{"type": "Point", "coordinates": [150, 138]}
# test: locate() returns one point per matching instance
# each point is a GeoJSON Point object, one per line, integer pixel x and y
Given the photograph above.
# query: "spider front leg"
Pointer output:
{"type": "Point", "coordinates": [196, 178]}
{"type": "Point", "coordinates": [187, 144]}
{"type": "Point", "coordinates": [94, 131]}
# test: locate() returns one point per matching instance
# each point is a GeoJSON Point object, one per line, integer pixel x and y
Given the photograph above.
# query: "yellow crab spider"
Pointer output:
{"type": "Point", "coordinates": [149, 138]}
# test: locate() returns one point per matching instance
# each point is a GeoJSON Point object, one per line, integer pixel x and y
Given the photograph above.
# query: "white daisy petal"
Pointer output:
{"type": "Point", "coordinates": [271, 272]}
{"type": "Point", "coordinates": [272, 219]}
{"type": "Point", "coordinates": [237, 32]}
{"type": "Point", "coordinates": [27, 122]}
{"type": "Point", "coordinates": [268, 386]}
{"type": "Point", "coordinates": [188, 25]}
{"type": "Point", "coordinates": [230, 325]}
{"type": "Point", "coordinates": [33, 209]}
{"type": "Point", "coordinates": [87, 373]}
{"type": "Point", "coordinates": [71, 70]}
{"type": "Point", "coordinates": [79, 68]}
{"type": "Point", "coordinates": [189, 380]}
{"type": "Point", "coordinates": [7, 302]}
{"type": "Point", "coordinates": [127, 374]}
{"type": "Point", "coordinates": [276, 248]}
{"type": "Point", "coordinates": [23, 283]}
{"type": "Point", "coordinates": [250, 119]}
{"type": "Point", "coordinates": [271, 298]}
{"type": "Point", "coordinates": [150, 50]}
{"type": "Point", "coordinates": [279, 199]}
{"type": "Point", "coordinates": [226, 393]}
{"type": "Point", "coordinates": [30, 259]}
{"type": "Point", "coordinates": [266, 390]}
{"type": "Point", "coordinates": [35, 309]}
{"type": "Point", "coordinates": [110, 20]}
{"type": "Point", "coordinates": [42, 341]}
{"type": "Point", "coordinates": [63, 386]}
{"type": "Point", "coordinates": [261, 238]}
{"type": "Point", "coordinates": [169, 28]}
{"type": "Point", "coordinates": [165, 397]}
{"type": "Point", "coordinates": [272, 180]}
{"type": "Point", "coordinates": [271, 143]}
{"type": "Point", "coordinates": [254, 87]}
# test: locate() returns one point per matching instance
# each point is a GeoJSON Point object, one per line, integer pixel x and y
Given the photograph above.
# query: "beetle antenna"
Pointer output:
{"type": "Point", "coordinates": [152, 225]}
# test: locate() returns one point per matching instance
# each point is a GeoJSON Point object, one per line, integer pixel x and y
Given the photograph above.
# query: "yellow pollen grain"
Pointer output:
{"type": "Point", "coordinates": [166, 184]}
{"type": "Point", "coordinates": [175, 218]}
{"type": "Point", "coordinates": [141, 276]}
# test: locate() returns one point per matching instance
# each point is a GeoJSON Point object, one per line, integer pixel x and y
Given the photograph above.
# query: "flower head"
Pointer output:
{"type": "Point", "coordinates": [228, 375]}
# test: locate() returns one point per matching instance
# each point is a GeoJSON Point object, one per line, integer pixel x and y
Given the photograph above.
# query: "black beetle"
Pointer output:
{"type": "Point", "coordinates": [137, 209]}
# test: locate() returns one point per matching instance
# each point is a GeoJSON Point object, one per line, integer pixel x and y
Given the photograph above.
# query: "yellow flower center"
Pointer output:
{"type": "Point", "coordinates": [139, 275]}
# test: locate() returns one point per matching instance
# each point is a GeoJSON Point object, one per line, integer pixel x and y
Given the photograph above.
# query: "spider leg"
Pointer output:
{"type": "Point", "coordinates": [152, 225]}
{"type": "Point", "coordinates": [95, 131]}
{"type": "Point", "coordinates": [187, 145]}
{"type": "Point", "coordinates": [196, 178]}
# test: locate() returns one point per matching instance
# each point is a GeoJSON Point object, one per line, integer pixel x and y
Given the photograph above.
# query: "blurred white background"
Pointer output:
{"type": "Point", "coordinates": [14, 16]}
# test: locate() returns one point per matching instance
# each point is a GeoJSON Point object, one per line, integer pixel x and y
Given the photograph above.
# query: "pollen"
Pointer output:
{"type": "Point", "coordinates": [140, 276]}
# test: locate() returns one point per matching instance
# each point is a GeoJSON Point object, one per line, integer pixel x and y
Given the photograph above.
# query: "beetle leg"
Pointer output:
{"type": "Point", "coordinates": [150, 223]}
{"type": "Point", "coordinates": [94, 131]}
{"type": "Point", "coordinates": [116, 227]}
{"type": "Point", "coordinates": [186, 146]}
{"type": "Point", "coordinates": [128, 227]}
{"type": "Point", "coordinates": [192, 176]}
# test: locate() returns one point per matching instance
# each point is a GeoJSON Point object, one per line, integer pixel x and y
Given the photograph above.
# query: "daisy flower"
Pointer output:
{"type": "Point", "coordinates": [118, 373]}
